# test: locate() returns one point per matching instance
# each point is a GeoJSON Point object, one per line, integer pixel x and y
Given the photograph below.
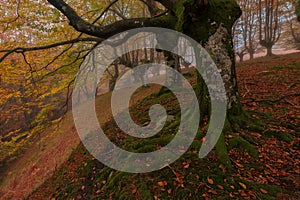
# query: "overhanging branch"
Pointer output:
{"type": "Point", "coordinates": [25, 49]}
{"type": "Point", "coordinates": [83, 26]}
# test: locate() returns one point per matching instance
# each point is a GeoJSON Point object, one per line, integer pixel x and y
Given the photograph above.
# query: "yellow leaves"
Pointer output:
{"type": "Point", "coordinates": [243, 185]}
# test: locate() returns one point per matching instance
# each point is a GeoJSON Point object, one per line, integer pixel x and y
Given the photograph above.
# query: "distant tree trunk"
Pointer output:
{"type": "Point", "coordinates": [251, 56]}
{"type": "Point", "coordinates": [241, 56]}
{"type": "Point", "coordinates": [269, 51]}
{"type": "Point", "coordinates": [172, 78]}
{"type": "Point", "coordinates": [113, 77]}
{"type": "Point", "coordinates": [298, 10]}
{"type": "Point", "coordinates": [269, 27]}
{"type": "Point", "coordinates": [246, 29]}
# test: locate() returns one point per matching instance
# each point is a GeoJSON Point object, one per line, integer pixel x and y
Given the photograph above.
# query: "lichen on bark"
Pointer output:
{"type": "Point", "coordinates": [219, 53]}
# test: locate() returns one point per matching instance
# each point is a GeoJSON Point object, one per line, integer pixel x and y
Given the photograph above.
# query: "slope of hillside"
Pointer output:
{"type": "Point", "coordinates": [265, 162]}
{"type": "Point", "coordinates": [57, 167]}
{"type": "Point", "coordinates": [46, 155]}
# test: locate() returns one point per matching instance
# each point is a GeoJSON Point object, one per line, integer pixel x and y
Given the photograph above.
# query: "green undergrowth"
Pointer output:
{"type": "Point", "coordinates": [265, 119]}
{"type": "Point", "coordinates": [290, 66]}
{"type": "Point", "coordinates": [187, 178]}
{"type": "Point", "coordinates": [244, 145]}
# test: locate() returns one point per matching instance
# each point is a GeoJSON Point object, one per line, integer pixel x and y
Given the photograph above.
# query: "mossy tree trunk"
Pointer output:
{"type": "Point", "coordinates": [212, 27]}
{"type": "Point", "coordinates": [209, 22]}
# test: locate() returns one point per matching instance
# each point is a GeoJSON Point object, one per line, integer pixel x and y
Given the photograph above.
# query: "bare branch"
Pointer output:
{"type": "Point", "coordinates": [105, 10]}
{"type": "Point", "coordinates": [118, 13]}
{"type": "Point", "coordinates": [106, 31]}
{"type": "Point", "coordinates": [25, 49]}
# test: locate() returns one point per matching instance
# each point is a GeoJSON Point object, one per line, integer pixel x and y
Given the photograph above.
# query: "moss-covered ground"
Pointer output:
{"type": "Point", "coordinates": [264, 158]}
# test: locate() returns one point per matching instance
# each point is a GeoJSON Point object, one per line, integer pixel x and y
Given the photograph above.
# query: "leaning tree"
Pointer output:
{"type": "Point", "coordinates": [208, 22]}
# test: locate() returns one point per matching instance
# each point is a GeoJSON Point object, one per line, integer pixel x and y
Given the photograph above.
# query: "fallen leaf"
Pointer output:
{"type": "Point", "coordinates": [186, 166]}
{"type": "Point", "coordinates": [242, 193]}
{"type": "Point", "coordinates": [98, 191]}
{"type": "Point", "coordinates": [212, 191]}
{"type": "Point", "coordinates": [239, 165]}
{"type": "Point", "coordinates": [263, 191]}
{"type": "Point", "coordinates": [161, 184]}
{"type": "Point", "coordinates": [243, 185]}
{"type": "Point", "coordinates": [210, 181]}
{"type": "Point", "coordinates": [220, 187]}
{"type": "Point", "coordinates": [133, 191]}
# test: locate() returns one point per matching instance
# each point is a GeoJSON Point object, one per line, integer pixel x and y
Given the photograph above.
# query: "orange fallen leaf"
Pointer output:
{"type": "Point", "coordinates": [98, 191]}
{"type": "Point", "coordinates": [212, 191]}
{"type": "Point", "coordinates": [210, 181]}
{"type": "Point", "coordinates": [220, 187]}
{"type": "Point", "coordinates": [133, 191]}
{"type": "Point", "coordinates": [239, 165]}
{"type": "Point", "coordinates": [263, 191]}
{"type": "Point", "coordinates": [242, 193]}
{"type": "Point", "coordinates": [186, 166]}
{"type": "Point", "coordinates": [161, 184]}
{"type": "Point", "coordinates": [243, 185]}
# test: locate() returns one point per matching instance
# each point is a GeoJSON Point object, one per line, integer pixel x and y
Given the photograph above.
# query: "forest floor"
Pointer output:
{"type": "Point", "coordinates": [269, 89]}
{"type": "Point", "coordinates": [54, 146]}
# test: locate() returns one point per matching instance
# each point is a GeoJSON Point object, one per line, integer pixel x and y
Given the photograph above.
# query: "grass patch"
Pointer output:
{"type": "Point", "coordinates": [243, 145]}
{"type": "Point", "coordinates": [278, 135]}
{"type": "Point", "coordinates": [290, 66]}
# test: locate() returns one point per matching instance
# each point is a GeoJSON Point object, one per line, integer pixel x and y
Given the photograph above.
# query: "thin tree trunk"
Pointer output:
{"type": "Point", "coordinates": [269, 51]}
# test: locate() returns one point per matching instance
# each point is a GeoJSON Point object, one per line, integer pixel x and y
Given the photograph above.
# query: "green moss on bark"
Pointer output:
{"type": "Point", "coordinates": [241, 144]}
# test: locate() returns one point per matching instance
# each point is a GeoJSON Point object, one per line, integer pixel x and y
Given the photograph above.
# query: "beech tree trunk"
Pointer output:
{"type": "Point", "coordinates": [208, 22]}
{"type": "Point", "coordinates": [269, 51]}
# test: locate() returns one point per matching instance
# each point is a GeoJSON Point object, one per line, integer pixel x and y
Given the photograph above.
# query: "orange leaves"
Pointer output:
{"type": "Point", "coordinates": [263, 191]}
{"type": "Point", "coordinates": [220, 187]}
{"type": "Point", "coordinates": [243, 185]}
{"type": "Point", "coordinates": [133, 191]}
{"type": "Point", "coordinates": [210, 181]}
{"type": "Point", "coordinates": [185, 165]}
{"type": "Point", "coordinates": [162, 183]}
{"type": "Point", "coordinates": [212, 191]}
